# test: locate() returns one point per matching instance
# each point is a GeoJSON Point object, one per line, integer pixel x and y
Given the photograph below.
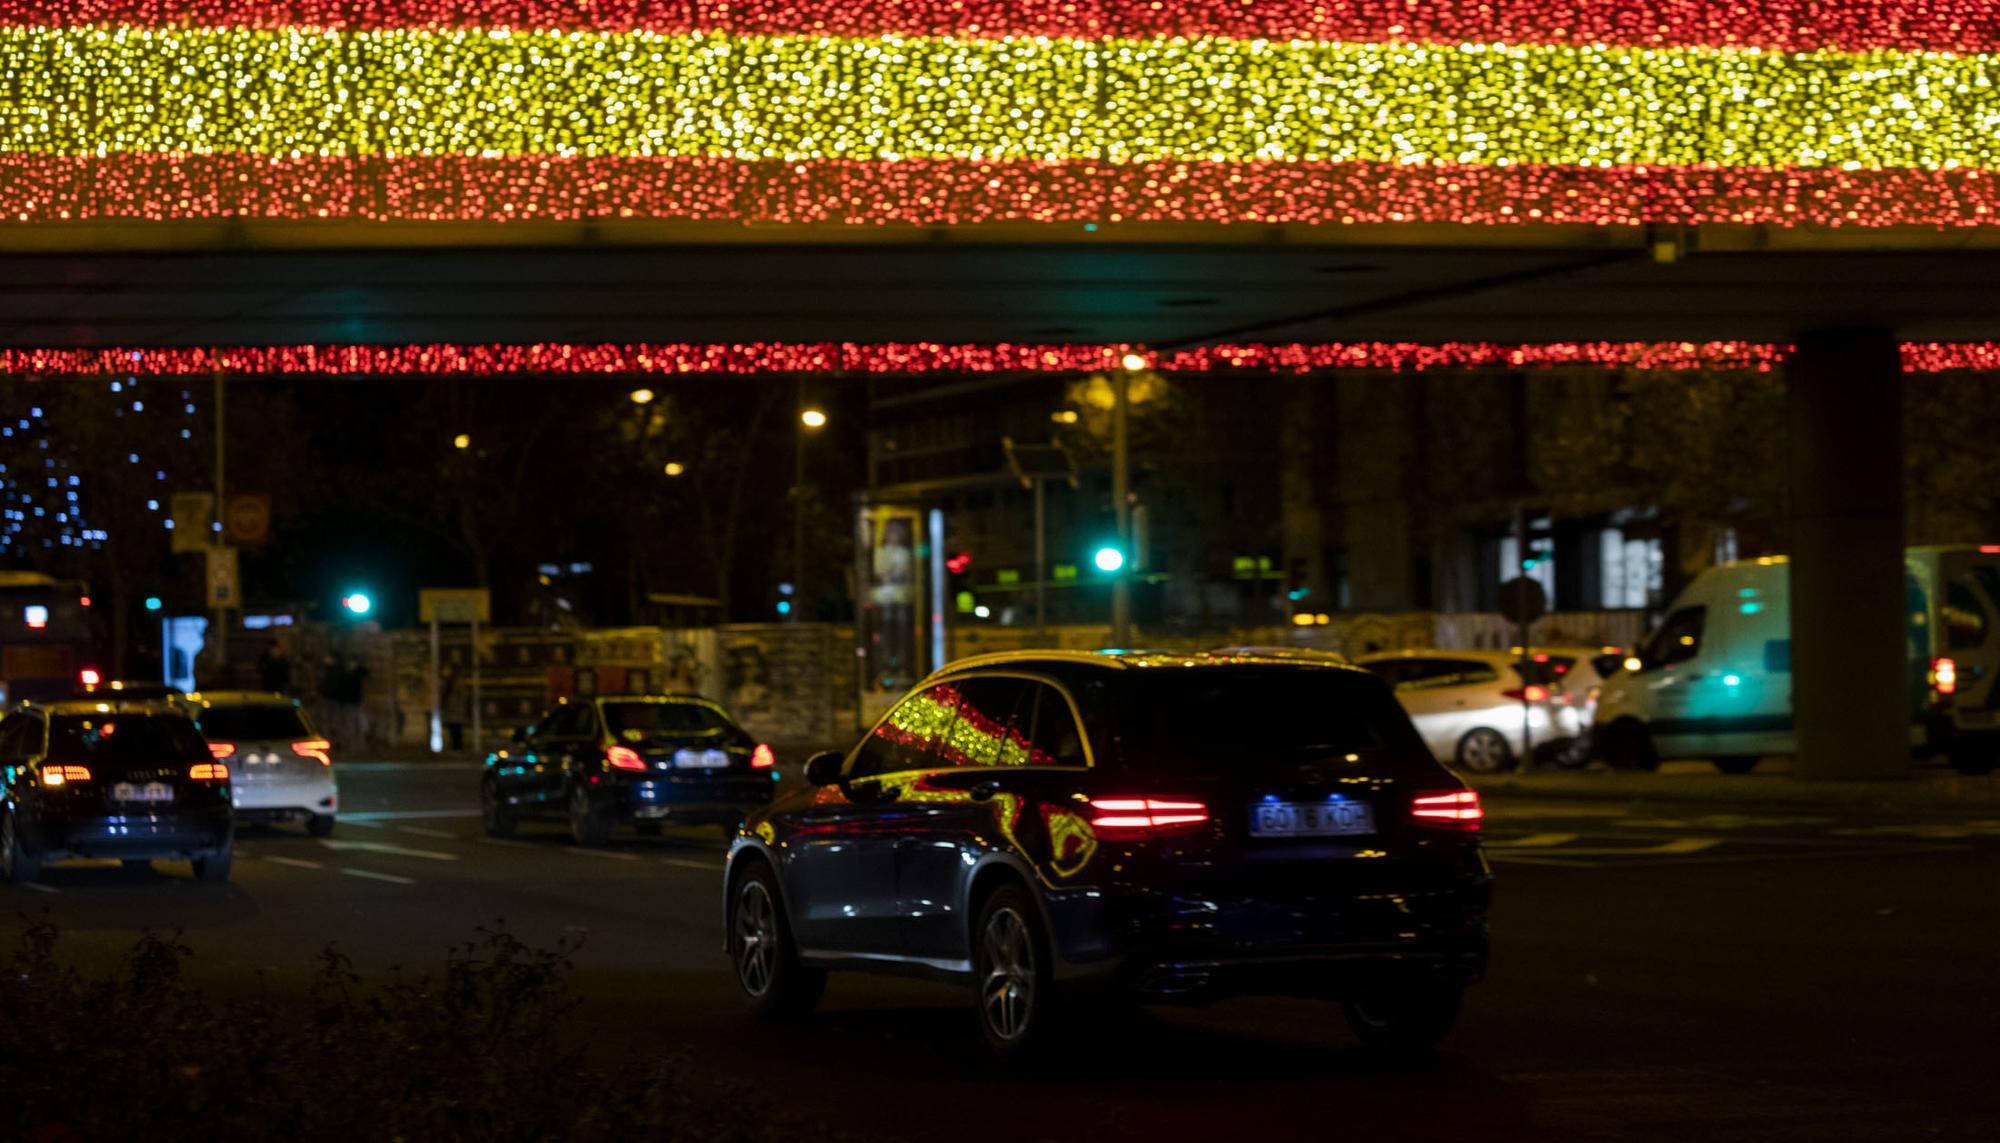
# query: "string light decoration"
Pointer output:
{"type": "Point", "coordinates": [1952, 25]}
{"type": "Point", "coordinates": [918, 358]}
{"type": "Point", "coordinates": [1837, 113]}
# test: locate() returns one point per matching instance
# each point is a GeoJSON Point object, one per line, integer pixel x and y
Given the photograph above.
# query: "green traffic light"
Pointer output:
{"type": "Point", "coordinates": [357, 602]}
{"type": "Point", "coordinates": [1109, 558]}
{"type": "Point", "coordinates": [153, 603]}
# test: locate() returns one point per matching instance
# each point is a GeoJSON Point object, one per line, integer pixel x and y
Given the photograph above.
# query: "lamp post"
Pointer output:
{"type": "Point", "coordinates": [810, 420]}
{"type": "Point", "coordinates": [1121, 493]}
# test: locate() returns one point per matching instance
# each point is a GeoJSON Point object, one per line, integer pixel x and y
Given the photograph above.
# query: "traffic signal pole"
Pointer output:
{"type": "Point", "coordinates": [216, 535]}
{"type": "Point", "coordinates": [1121, 497]}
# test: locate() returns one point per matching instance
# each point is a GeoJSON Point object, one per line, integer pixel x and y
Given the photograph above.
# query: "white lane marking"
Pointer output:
{"type": "Point", "coordinates": [39, 887]}
{"type": "Point", "coordinates": [351, 820]}
{"type": "Point", "coordinates": [394, 767]}
{"type": "Point", "coordinates": [690, 863]}
{"type": "Point", "coordinates": [508, 843]}
{"type": "Point", "coordinates": [389, 877]}
{"type": "Point", "coordinates": [1533, 841]}
{"type": "Point", "coordinates": [393, 850]}
{"type": "Point", "coordinates": [1664, 849]}
{"type": "Point", "coordinates": [400, 815]}
{"type": "Point", "coordinates": [295, 862]}
{"type": "Point", "coordinates": [611, 853]}
{"type": "Point", "coordinates": [422, 832]}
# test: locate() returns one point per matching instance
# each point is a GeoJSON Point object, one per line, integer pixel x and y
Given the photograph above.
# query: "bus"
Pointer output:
{"type": "Point", "coordinates": [46, 648]}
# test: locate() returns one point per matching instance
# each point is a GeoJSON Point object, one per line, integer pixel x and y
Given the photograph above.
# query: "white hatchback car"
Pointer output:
{"type": "Point", "coordinates": [279, 767]}
{"type": "Point", "coordinates": [1470, 706]}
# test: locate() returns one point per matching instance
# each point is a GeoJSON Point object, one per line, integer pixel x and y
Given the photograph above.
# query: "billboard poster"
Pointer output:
{"type": "Point", "coordinates": [888, 543]}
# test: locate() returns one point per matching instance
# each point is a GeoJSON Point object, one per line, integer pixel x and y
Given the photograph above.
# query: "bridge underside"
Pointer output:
{"type": "Point", "coordinates": [286, 284]}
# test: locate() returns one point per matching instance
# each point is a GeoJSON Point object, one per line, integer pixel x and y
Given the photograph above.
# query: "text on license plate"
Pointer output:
{"type": "Point", "coordinates": [142, 792]}
{"type": "Point", "coordinates": [1311, 819]}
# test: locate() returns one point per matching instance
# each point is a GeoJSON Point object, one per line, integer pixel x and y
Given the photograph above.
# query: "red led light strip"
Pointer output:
{"type": "Point", "coordinates": [1943, 25]}
{"type": "Point", "coordinates": [919, 358]}
{"type": "Point", "coordinates": [942, 192]}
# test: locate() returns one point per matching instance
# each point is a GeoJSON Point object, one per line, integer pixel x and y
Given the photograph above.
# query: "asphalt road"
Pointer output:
{"type": "Point", "coordinates": [1720, 972]}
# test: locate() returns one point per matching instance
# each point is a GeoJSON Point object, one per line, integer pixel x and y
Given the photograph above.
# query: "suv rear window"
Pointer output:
{"type": "Point", "coordinates": [125, 738]}
{"type": "Point", "coordinates": [1250, 718]}
{"type": "Point", "coordinates": [253, 723]}
{"type": "Point", "coordinates": [637, 721]}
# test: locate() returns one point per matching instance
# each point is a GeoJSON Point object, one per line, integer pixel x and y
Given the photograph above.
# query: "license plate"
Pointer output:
{"type": "Point", "coordinates": [1311, 819]}
{"type": "Point", "coordinates": [701, 759]}
{"type": "Point", "coordinates": [148, 792]}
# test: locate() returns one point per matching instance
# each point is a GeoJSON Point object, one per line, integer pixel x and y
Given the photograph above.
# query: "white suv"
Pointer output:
{"type": "Point", "coordinates": [279, 767]}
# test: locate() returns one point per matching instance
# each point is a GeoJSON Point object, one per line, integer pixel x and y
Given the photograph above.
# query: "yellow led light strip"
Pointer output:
{"type": "Point", "coordinates": [489, 93]}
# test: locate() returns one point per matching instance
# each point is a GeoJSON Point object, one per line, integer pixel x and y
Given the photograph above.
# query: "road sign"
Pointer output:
{"type": "Point", "coordinates": [1522, 600]}
{"type": "Point", "coordinates": [454, 605]}
{"type": "Point", "coordinates": [224, 588]}
{"type": "Point", "coordinates": [192, 514]}
{"type": "Point", "coordinates": [246, 522]}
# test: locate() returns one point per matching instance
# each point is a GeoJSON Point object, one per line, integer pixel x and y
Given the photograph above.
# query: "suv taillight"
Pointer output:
{"type": "Point", "coordinates": [624, 758]}
{"type": "Point", "coordinates": [1531, 693]}
{"type": "Point", "coordinates": [762, 758]}
{"type": "Point", "coordinates": [209, 772]}
{"type": "Point", "coordinates": [1122, 818]}
{"type": "Point", "coordinates": [53, 775]}
{"type": "Point", "coordinates": [221, 750]}
{"type": "Point", "coordinates": [315, 749]}
{"type": "Point", "coordinates": [1448, 809]}
{"type": "Point", "coordinates": [1944, 677]}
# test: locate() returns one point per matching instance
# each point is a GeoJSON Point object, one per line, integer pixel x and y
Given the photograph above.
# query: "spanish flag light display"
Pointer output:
{"type": "Point", "coordinates": [1848, 113]}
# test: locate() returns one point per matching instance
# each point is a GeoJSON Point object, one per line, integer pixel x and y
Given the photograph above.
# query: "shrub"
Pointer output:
{"type": "Point", "coordinates": [484, 1052]}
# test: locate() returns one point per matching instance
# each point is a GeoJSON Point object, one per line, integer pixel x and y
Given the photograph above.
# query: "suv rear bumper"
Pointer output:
{"type": "Point", "coordinates": [134, 836]}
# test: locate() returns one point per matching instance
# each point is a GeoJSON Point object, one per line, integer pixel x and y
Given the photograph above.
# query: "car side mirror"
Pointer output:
{"type": "Point", "coordinates": [823, 769]}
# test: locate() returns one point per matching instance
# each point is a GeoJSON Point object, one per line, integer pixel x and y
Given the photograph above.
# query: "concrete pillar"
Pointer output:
{"type": "Point", "coordinates": [1844, 413]}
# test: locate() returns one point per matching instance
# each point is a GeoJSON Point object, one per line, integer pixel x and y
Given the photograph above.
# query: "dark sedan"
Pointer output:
{"type": "Point", "coordinates": [644, 761]}
{"type": "Point", "coordinates": [102, 779]}
{"type": "Point", "coordinates": [1047, 827]}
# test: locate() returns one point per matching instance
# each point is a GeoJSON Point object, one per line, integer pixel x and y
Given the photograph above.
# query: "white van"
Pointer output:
{"type": "Point", "coordinates": [1714, 680]}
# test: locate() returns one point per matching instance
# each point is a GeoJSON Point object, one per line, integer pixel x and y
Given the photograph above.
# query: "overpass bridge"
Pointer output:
{"type": "Point", "coordinates": [776, 186]}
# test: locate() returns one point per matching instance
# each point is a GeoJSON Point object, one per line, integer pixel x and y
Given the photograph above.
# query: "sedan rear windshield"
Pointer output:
{"type": "Point", "coordinates": [269, 722]}
{"type": "Point", "coordinates": [634, 721]}
{"type": "Point", "coordinates": [1248, 717]}
{"type": "Point", "coordinates": [125, 738]}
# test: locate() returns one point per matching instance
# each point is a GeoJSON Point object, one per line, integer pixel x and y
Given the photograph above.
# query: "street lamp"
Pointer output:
{"type": "Point", "coordinates": [642, 396]}
{"type": "Point", "coordinates": [461, 441]}
{"type": "Point", "coordinates": [674, 468]}
{"type": "Point", "coordinates": [810, 420]}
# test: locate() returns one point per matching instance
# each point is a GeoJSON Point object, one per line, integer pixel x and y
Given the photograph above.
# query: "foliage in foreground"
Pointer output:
{"type": "Point", "coordinates": [478, 1053]}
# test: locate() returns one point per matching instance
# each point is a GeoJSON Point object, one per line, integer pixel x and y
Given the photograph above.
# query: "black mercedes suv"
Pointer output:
{"type": "Point", "coordinates": [1046, 826]}
{"type": "Point", "coordinates": [110, 779]}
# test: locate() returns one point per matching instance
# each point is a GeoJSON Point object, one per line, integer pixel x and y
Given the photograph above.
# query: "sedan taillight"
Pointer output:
{"type": "Point", "coordinates": [1448, 809]}
{"type": "Point", "coordinates": [64, 775]}
{"type": "Point", "coordinates": [1116, 818]}
{"type": "Point", "coordinates": [624, 758]}
{"type": "Point", "coordinates": [209, 772]}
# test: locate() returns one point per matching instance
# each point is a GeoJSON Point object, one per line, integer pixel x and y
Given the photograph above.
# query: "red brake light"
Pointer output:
{"type": "Point", "coordinates": [1114, 818]}
{"type": "Point", "coordinates": [314, 748]}
{"type": "Point", "coordinates": [62, 775]}
{"type": "Point", "coordinates": [762, 758]}
{"type": "Point", "coordinates": [89, 677]}
{"type": "Point", "coordinates": [209, 772]}
{"type": "Point", "coordinates": [221, 750]}
{"type": "Point", "coordinates": [1448, 809]}
{"type": "Point", "coordinates": [1532, 692]}
{"type": "Point", "coordinates": [1944, 676]}
{"type": "Point", "coordinates": [624, 758]}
